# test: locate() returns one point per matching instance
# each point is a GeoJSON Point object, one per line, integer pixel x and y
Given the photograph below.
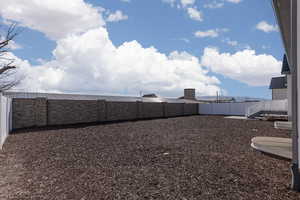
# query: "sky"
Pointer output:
{"type": "Point", "coordinates": [129, 47]}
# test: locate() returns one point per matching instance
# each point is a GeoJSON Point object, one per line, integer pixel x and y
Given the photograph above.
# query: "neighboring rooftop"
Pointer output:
{"type": "Point", "coordinates": [278, 83]}
{"type": "Point", "coordinates": [228, 99]}
{"type": "Point", "coordinates": [285, 66]}
{"type": "Point", "coordinates": [95, 97]}
{"type": "Point", "coordinates": [152, 95]}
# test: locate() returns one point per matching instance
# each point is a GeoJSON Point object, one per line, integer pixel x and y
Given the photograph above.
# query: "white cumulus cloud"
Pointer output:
{"type": "Point", "coordinates": [94, 64]}
{"type": "Point", "coordinates": [116, 16]}
{"type": "Point", "coordinates": [208, 33]}
{"type": "Point", "coordinates": [266, 27]}
{"type": "Point", "coordinates": [219, 3]}
{"type": "Point", "coordinates": [213, 33]}
{"type": "Point", "coordinates": [234, 1]}
{"type": "Point", "coordinates": [188, 6]}
{"type": "Point", "coordinates": [245, 66]}
{"type": "Point", "coordinates": [55, 18]}
{"type": "Point", "coordinates": [86, 61]}
{"type": "Point", "coordinates": [195, 14]}
{"type": "Point", "coordinates": [187, 2]}
{"type": "Point", "coordinates": [214, 4]}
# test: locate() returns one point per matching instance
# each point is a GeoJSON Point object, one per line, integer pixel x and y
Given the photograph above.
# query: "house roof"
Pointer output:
{"type": "Point", "coordinates": [285, 66]}
{"type": "Point", "coordinates": [278, 83]}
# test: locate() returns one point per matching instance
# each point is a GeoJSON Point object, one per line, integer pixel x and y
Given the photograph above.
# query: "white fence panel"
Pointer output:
{"type": "Point", "coordinates": [238, 109]}
{"type": "Point", "coordinates": [274, 105]}
{"type": "Point", "coordinates": [205, 109]}
{"type": "Point", "coordinates": [221, 109]}
{"type": "Point", "coordinates": [5, 118]}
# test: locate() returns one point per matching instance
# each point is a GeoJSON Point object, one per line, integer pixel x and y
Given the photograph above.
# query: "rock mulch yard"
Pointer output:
{"type": "Point", "coordinates": [184, 158]}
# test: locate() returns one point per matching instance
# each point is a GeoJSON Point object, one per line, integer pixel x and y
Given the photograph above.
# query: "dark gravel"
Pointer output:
{"type": "Point", "coordinates": [182, 158]}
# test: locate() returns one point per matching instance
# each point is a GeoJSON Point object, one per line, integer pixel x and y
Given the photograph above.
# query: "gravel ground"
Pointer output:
{"type": "Point", "coordinates": [184, 158]}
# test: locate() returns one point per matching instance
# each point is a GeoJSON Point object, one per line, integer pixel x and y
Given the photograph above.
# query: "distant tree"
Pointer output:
{"type": "Point", "coordinates": [7, 65]}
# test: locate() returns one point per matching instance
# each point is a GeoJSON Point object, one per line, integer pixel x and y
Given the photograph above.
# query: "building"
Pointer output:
{"type": "Point", "coordinates": [288, 18]}
{"type": "Point", "coordinates": [280, 85]}
{"type": "Point", "coordinates": [279, 88]}
{"type": "Point", "coordinates": [190, 93]}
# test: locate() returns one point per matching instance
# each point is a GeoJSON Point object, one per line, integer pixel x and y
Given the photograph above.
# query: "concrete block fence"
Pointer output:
{"type": "Point", "coordinates": [38, 112]}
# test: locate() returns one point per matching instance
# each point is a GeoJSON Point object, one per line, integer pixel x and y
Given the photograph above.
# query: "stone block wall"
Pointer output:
{"type": "Point", "coordinates": [174, 109]}
{"type": "Point", "coordinates": [118, 111]}
{"type": "Point", "coordinates": [23, 113]}
{"type": "Point", "coordinates": [72, 112]}
{"type": "Point", "coordinates": [151, 110]}
{"type": "Point", "coordinates": [191, 109]}
{"type": "Point", "coordinates": [40, 112]}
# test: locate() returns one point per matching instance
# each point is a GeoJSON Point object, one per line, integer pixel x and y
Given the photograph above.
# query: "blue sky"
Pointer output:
{"type": "Point", "coordinates": [226, 35]}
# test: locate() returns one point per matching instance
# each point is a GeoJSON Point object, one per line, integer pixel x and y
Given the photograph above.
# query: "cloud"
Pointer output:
{"type": "Point", "coordinates": [219, 3]}
{"type": "Point", "coordinates": [214, 4]}
{"type": "Point", "coordinates": [266, 27]}
{"type": "Point", "coordinates": [237, 45]}
{"type": "Point", "coordinates": [55, 18]}
{"type": "Point", "coordinates": [116, 16]}
{"type": "Point", "coordinates": [209, 33]}
{"type": "Point", "coordinates": [127, 1]}
{"type": "Point", "coordinates": [213, 33]}
{"type": "Point", "coordinates": [185, 3]}
{"type": "Point", "coordinates": [234, 1]}
{"type": "Point", "coordinates": [185, 40]}
{"type": "Point", "coordinates": [87, 61]}
{"type": "Point", "coordinates": [230, 42]}
{"type": "Point", "coordinates": [244, 66]}
{"type": "Point", "coordinates": [94, 64]}
{"type": "Point", "coordinates": [171, 2]}
{"type": "Point", "coordinates": [12, 45]}
{"type": "Point", "coordinates": [195, 14]}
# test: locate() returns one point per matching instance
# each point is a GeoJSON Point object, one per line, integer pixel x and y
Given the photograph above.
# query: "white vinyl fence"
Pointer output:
{"type": "Point", "coordinates": [5, 118]}
{"type": "Point", "coordinates": [274, 105]}
{"type": "Point", "coordinates": [235, 109]}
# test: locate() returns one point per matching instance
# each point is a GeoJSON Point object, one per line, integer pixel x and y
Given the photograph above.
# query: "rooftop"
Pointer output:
{"type": "Point", "coordinates": [285, 66]}
{"type": "Point", "coordinates": [278, 83]}
{"type": "Point", "coordinates": [95, 97]}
